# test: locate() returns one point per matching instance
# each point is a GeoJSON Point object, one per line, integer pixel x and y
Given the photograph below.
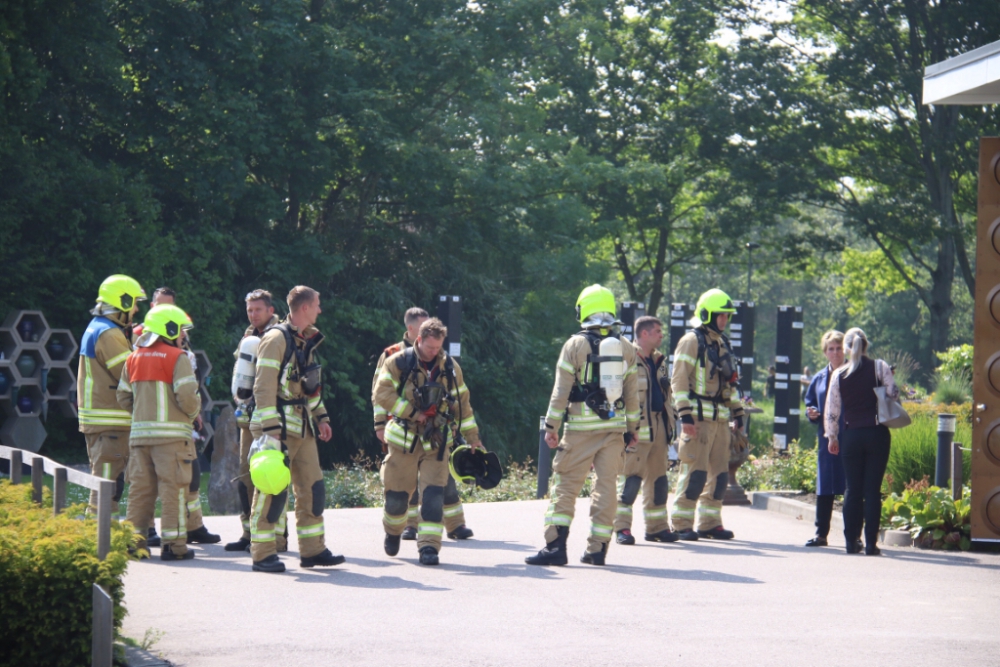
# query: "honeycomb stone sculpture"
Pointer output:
{"type": "Point", "coordinates": [35, 362]}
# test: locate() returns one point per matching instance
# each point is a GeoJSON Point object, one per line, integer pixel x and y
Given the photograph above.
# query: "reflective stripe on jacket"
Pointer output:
{"type": "Point", "coordinates": [379, 414]}
{"type": "Point", "coordinates": [402, 430]}
{"type": "Point", "coordinates": [267, 387]}
{"type": "Point", "coordinates": [159, 388]}
{"type": "Point", "coordinates": [690, 377]}
{"type": "Point", "coordinates": [571, 367]}
{"type": "Point", "coordinates": [244, 417]}
{"type": "Point", "coordinates": [643, 382]}
{"type": "Point", "coordinates": [103, 351]}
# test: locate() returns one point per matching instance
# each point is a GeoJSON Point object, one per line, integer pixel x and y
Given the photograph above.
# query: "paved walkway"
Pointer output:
{"type": "Point", "coordinates": [761, 599]}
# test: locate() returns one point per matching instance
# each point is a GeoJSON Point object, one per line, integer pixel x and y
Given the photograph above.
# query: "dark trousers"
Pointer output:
{"type": "Point", "coordinates": [865, 453]}
{"type": "Point", "coordinates": [824, 511]}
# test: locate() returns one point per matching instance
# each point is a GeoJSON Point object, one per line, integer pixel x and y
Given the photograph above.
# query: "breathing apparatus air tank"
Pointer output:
{"type": "Point", "coordinates": [246, 368]}
{"type": "Point", "coordinates": [612, 373]}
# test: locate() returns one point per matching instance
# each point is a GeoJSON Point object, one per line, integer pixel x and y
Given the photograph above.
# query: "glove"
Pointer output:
{"type": "Point", "coordinates": [263, 443]}
{"type": "Point", "coordinates": [630, 441]}
{"type": "Point", "coordinates": [739, 442]}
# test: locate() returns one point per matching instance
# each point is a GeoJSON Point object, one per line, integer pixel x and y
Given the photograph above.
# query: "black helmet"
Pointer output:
{"type": "Point", "coordinates": [475, 466]}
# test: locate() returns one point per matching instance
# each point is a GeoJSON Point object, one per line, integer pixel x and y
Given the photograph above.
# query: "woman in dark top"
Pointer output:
{"type": "Point", "coordinates": [829, 469]}
{"type": "Point", "coordinates": [863, 443]}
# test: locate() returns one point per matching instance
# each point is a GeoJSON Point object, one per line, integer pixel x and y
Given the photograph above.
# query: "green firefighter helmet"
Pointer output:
{"type": "Point", "coordinates": [166, 321]}
{"type": "Point", "coordinates": [269, 473]}
{"type": "Point", "coordinates": [121, 292]}
{"type": "Point", "coordinates": [711, 303]}
{"type": "Point", "coordinates": [596, 307]}
{"type": "Point", "coordinates": [475, 466]}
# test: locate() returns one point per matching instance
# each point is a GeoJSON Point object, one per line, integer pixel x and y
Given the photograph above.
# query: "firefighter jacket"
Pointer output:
{"type": "Point", "coordinates": [645, 390]}
{"type": "Point", "coordinates": [396, 393]}
{"type": "Point", "coordinates": [283, 409]}
{"type": "Point", "coordinates": [572, 369]}
{"type": "Point", "coordinates": [701, 393]}
{"type": "Point", "coordinates": [380, 414]}
{"type": "Point", "coordinates": [103, 352]}
{"type": "Point", "coordinates": [158, 387]}
{"type": "Point", "coordinates": [243, 419]}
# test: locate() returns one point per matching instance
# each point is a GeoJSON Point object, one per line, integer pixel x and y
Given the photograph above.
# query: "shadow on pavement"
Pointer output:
{"type": "Point", "coordinates": [952, 558]}
{"type": "Point", "coordinates": [347, 577]}
{"type": "Point", "coordinates": [489, 544]}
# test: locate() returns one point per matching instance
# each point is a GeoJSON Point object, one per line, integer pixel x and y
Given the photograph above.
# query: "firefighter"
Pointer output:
{"type": "Point", "coordinates": [197, 533]}
{"type": "Point", "coordinates": [288, 413]}
{"type": "Point", "coordinates": [595, 386]}
{"type": "Point", "coordinates": [159, 389]}
{"type": "Point", "coordinates": [260, 314]}
{"type": "Point", "coordinates": [454, 513]}
{"type": "Point", "coordinates": [106, 345]}
{"type": "Point", "coordinates": [646, 460]}
{"type": "Point", "coordinates": [705, 383]}
{"type": "Point", "coordinates": [422, 391]}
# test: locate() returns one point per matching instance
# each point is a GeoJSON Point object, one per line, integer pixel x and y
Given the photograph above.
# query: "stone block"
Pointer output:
{"type": "Point", "coordinates": [222, 495]}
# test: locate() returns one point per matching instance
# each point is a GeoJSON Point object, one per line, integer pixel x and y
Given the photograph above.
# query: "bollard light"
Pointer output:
{"type": "Point", "coordinates": [945, 433]}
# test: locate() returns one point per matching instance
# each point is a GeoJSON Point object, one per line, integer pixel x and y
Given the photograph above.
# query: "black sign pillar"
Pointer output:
{"type": "Point", "coordinates": [795, 375]}
{"type": "Point", "coordinates": [741, 331]}
{"type": "Point", "coordinates": [630, 312]}
{"type": "Point", "coordinates": [788, 375]}
{"type": "Point", "coordinates": [449, 311]}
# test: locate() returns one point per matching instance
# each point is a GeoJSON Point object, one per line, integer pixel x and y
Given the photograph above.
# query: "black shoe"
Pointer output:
{"type": "Point", "coordinates": [152, 539]}
{"type": "Point", "coordinates": [202, 536]}
{"type": "Point", "coordinates": [428, 556]}
{"type": "Point", "coordinates": [595, 557]}
{"type": "Point", "coordinates": [625, 537]}
{"type": "Point", "coordinates": [855, 547]}
{"type": "Point", "coordinates": [663, 536]}
{"type": "Point", "coordinates": [324, 559]}
{"type": "Point", "coordinates": [873, 550]}
{"type": "Point", "coordinates": [690, 535]}
{"type": "Point", "coordinates": [554, 552]}
{"type": "Point", "coordinates": [242, 544]}
{"type": "Point", "coordinates": [409, 533]}
{"type": "Point", "coordinates": [717, 533]}
{"type": "Point", "coordinates": [461, 533]}
{"type": "Point", "coordinates": [391, 544]}
{"type": "Point", "coordinates": [817, 542]}
{"type": "Point", "coordinates": [271, 564]}
{"type": "Point", "coordinates": [168, 554]}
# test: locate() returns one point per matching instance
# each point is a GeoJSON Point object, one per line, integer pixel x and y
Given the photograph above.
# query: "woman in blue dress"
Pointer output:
{"type": "Point", "coordinates": [829, 470]}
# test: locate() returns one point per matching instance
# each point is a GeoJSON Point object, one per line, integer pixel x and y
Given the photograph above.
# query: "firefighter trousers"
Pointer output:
{"type": "Point", "coordinates": [454, 513]}
{"type": "Point", "coordinates": [162, 470]}
{"type": "Point", "coordinates": [704, 476]}
{"type": "Point", "coordinates": [108, 453]}
{"type": "Point", "coordinates": [577, 452]}
{"type": "Point", "coordinates": [399, 479]}
{"type": "Point", "coordinates": [646, 467]}
{"type": "Point", "coordinates": [268, 512]}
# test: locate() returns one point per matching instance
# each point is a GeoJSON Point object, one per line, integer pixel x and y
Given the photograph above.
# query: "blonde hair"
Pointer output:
{"type": "Point", "coordinates": [433, 328]}
{"type": "Point", "coordinates": [855, 345]}
{"type": "Point", "coordinates": [831, 336]}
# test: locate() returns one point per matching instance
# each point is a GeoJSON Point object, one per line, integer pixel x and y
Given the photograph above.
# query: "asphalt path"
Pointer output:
{"type": "Point", "coordinates": [760, 599]}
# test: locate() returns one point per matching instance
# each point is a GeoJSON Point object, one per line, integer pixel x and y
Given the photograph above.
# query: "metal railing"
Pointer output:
{"type": "Point", "coordinates": [103, 619]}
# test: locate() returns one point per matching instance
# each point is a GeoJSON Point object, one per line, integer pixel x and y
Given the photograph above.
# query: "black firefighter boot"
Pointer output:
{"type": "Point", "coordinates": [595, 557]}
{"type": "Point", "coordinates": [554, 552]}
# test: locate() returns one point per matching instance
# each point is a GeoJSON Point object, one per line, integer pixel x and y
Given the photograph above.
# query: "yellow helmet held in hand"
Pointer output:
{"type": "Point", "coordinates": [166, 321]}
{"type": "Point", "coordinates": [269, 473]}
{"type": "Point", "coordinates": [594, 300]}
{"type": "Point", "coordinates": [711, 303]}
{"type": "Point", "coordinates": [121, 292]}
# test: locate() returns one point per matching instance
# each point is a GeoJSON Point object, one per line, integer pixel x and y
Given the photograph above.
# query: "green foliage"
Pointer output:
{"type": "Point", "coordinates": [47, 566]}
{"type": "Point", "coordinates": [866, 273]}
{"type": "Point", "coordinates": [935, 520]}
{"type": "Point", "coordinates": [794, 471]}
{"type": "Point", "coordinates": [956, 361]}
{"type": "Point", "coordinates": [913, 453]}
{"type": "Point", "coordinates": [953, 388]}
{"type": "Point", "coordinates": [903, 364]}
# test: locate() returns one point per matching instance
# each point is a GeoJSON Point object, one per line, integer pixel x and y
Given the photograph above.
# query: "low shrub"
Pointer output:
{"type": "Point", "coordinates": [913, 454]}
{"type": "Point", "coordinates": [793, 471]}
{"type": "Point", "coordinates": [47, 566]}
{"type": "Point", "coordinates": [934, 519]}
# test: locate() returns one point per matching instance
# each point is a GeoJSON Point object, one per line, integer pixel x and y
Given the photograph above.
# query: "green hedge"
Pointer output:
{"type": "Point", "coordinates": [47, 566]}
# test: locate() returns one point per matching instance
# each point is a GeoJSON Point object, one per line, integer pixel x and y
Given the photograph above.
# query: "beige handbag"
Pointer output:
{"type": "Point", "coordinates": [890, 412]}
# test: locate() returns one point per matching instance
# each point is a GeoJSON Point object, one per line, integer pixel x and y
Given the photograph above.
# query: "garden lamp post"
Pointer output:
{"type": "Point", "coordinates": [751, 246]}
